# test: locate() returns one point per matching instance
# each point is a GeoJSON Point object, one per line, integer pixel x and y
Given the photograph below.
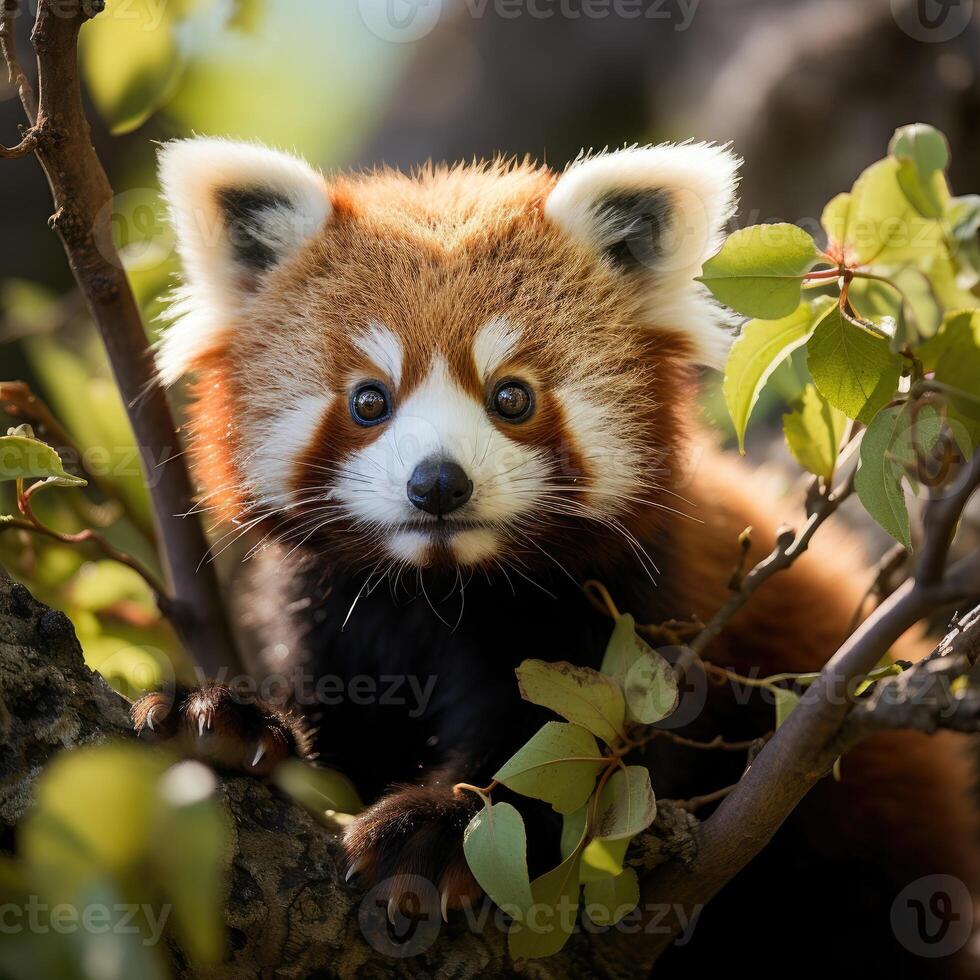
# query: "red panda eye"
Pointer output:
{"type": "Point", "coordinates": [512, 400]}
{"type": "Point", "coordinates": [370, 403]}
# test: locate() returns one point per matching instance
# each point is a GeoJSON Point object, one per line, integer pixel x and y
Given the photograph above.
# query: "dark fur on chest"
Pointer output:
{"type": "Point", "coordinates": [400, 681]}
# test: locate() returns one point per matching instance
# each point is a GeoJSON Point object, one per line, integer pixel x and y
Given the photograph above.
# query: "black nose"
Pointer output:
{"type": "Point", "coordinates": [439, 486]}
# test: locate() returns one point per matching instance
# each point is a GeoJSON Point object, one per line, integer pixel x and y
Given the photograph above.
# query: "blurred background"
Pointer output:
{"type": "Point", "coordinates": [809, 92]}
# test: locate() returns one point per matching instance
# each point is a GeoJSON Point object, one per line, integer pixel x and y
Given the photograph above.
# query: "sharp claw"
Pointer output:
{"type": "Point", "coordinates": [259, 752]}
{"type": "Point", "coordinates": [392, 909]}
{"type": "Point", "coordinates": [149, 719]}
{"type": "Point", "coordinates": [356, 868]}
{"type": "Point", "coordinates": [444, 905]}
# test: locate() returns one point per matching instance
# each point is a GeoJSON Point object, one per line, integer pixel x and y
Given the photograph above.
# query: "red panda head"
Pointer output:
{"type": "Point", "coordinates": [465, 366]}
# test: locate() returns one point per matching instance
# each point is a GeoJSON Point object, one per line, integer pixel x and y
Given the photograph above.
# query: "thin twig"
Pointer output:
{"type": "Point", "coordinates": [82, 218]}
{"type": "Point", "coordinates": [15, 73]}
{"type": "Point", "coordinates": [17, 400]}
{"type": "Point", "coordinates": [89, 536]}
{"type": "Point", "coordinates": [789, 546]}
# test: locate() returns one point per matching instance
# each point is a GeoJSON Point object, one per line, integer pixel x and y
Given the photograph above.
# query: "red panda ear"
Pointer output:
{"type": "Point", "coordinates": [238, 210]}
{"type": "Point", "coordinates": [656, 213]}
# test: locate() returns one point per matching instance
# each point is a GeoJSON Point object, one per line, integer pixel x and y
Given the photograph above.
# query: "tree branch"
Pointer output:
{"type": "Point", "coordinates": [83, 207]}
{"type": "Point", "coordinates": [805, 746]}
{"type": "Point", "coordinates": [923, 697]}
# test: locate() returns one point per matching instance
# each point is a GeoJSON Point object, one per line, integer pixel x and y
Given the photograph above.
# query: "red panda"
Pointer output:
{"type": "Point", "coordinates": [448, 399]}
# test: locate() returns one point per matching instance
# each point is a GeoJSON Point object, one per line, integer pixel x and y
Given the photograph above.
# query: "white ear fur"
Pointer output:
{"type": "Point", "coordinates": [657, 212]}
{"type": "Point", "coordinates": [237, 209]}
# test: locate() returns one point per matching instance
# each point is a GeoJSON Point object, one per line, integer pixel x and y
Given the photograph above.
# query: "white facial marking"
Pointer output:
{"type": "Point", "coordinates": [610, 456]}
{"type": "Point", "coordinates": [494, 343]}
{"type": "Point", "coordinates": [380, 344]}
{"type": "Point", "coordinates": [471, 547]}
{"type": "Point", "coordinates": [283, 440]}
{"type": "Point", "coordinates": [439, 419]}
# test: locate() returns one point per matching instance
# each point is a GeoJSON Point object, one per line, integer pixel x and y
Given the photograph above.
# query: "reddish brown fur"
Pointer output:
{"type": "Point", "coordinates": [437, 256]}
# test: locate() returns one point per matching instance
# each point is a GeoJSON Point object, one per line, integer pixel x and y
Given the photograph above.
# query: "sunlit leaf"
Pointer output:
{"type": "Point", "coordinates": [923, 154]}
{"type": "Point", "coordinates": [626, 804]}
{"type": "Point", "coordinates": [651, 688]}
{"type": "Point", "coordinates": [759, 270]}
{"type": "Point", "coordinates": [131, 62]}
{"type": "Point", "coordinates": [318, 788]}
{"type": "Point", "coordinates": [554, 912]}
{"type": "Point", "coordinates": [909, 312]}
{"type": "Point", "coordinates": [854, 370]}
{"type": "Point", "coordinates": [814, 430]}
{"type": "Point", "coordinates": [878, 223]}
{"type": "Point", "coordinates": [579, 694]}
{"type": "Point", "coordinates": [495, 845]}
{"type": "Point", "coordinates": [623, 648]}
{"type": "Point", "coordinates": [24, 457]}
{"type": "Point", "coordinates": [608, 900]}
{"type": "Point", "coordinates": [762, 346]}
{"type": "Point", "coordinates": [887, 454]}
{"type": "Point", "coordinates": [191, 835]}
{"type": "Point", "coordinates": [558, 764]}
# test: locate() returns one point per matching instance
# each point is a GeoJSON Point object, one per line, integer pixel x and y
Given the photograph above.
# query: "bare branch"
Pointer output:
{"type": "Point", "coordinates": [923, 697]}
{"type": "Point", "coordinates": [83, 209]}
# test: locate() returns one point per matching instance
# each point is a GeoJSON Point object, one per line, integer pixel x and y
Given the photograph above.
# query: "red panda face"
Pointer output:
{"type": "Point", "coordinates": [480, 366]}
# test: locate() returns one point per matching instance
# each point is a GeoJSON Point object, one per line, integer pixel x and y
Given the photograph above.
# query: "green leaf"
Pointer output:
{"type": "Point", "coordinates": [191, 840]}
{"type": "Point", "coordinates": [24, 457]}
{"type": "Point", "coordinates": [626, 804]}
{"type": "Point", "coordinates": [922, 153]}
{"type": "Point", "coordinates": [559, 764]}
{"type": "Point", "coordinates": [958, 337]}
{"type": "Point", "coordinates": [761, 347]}
{"type": "Point", "coordinates": [963, 217]}
{"type": "Point", "coordinates": [579, 694]}
{"type": "Point", "coordinates": [759, 270]}
{"type": "Point", "coordinates": [835, 217]}
{"type": "Point", "coordinates": [877, 222]}
{"type": "Point", "coordinates": [554, 912]}
{"type": "Point", "coordinates": [495, 845]}
{"type": "Point", "coordinates": [814, 430]}
{"type": "Point", "coordinates": [132, 64]}
{"type": "Point", "coordinates": [92, 815]}
{"type": "Point", "coordinates": [572, 829]}
{"type": "Point", "coordinates": [623, 648]}
{"type": "Point", "coordinates": [853, 369]}
{"type": "Point", "coordinates": [651, 688]}
{"type": "Point", "coordinates": [887, 451]}
{"type": "Point", "coordinates": [317, 788]}
{"type": "Point", "coordinates": [610, 899]}
{"type": "Point", "coordinates": [909, 316]}
{"type": "Point", "coordinates": [786, 701]}
{"type": "Point", "coordinates": [601, 858]}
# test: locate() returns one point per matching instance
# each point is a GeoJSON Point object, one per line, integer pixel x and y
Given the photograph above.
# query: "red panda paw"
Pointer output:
{"type": "Point", "coordinates": [215, 725]}
{"type": "Point", "coordinates": [408, 847]}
